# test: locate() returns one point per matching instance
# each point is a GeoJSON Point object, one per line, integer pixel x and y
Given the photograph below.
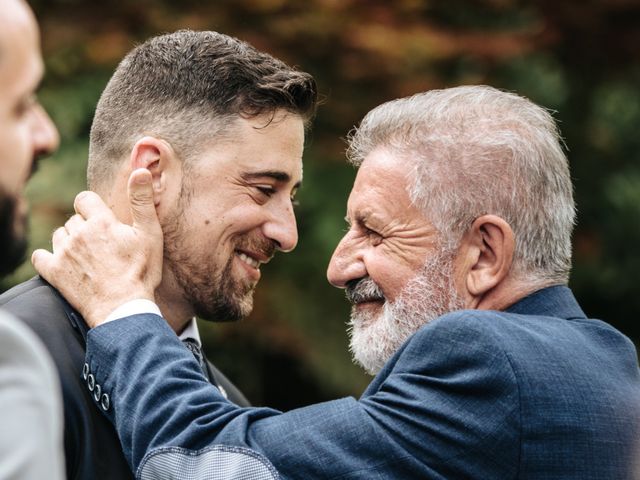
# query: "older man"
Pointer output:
{"type": "Point", "coordinates": [220, 126]}
{"type": "Point", "coordinates": [30, 409]}
{"type": "Point", "coordinates": [456, 263]}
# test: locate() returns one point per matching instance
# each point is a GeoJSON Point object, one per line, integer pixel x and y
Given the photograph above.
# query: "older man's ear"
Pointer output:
{"type": "Point", "coordinates": [484, 258]}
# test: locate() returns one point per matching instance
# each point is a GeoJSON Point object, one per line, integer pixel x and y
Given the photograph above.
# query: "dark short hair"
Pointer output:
{"type": "Point", "coordinates": [187, 87]}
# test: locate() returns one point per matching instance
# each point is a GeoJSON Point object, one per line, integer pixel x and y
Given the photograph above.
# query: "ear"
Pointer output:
{"type": "Point", "coordinates": [157, 156]}
{"type": "Point", "coordinates": [488, 248]}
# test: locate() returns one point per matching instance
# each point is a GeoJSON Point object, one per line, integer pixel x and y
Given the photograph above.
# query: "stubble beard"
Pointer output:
{"type": "Point", "coordinates": [431, 293]}
{"type": "Point", "coordinates": [13, 239]}
{"type": "Point", "coordinates": [211, 290]}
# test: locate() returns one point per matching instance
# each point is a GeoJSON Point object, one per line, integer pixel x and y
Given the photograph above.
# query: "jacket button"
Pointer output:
{"type": "Point", "coordinates": [85, 371]}
{"type": "Point", "coordinates": [91, 382]}
{"type": "Point", "coordinates": [97, 392]}
{"type": "Point", "coordinates": [105, 402]}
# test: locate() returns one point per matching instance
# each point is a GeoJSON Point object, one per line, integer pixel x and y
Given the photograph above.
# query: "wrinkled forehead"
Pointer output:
{"type": "Point", "coordinates": [382, 185]}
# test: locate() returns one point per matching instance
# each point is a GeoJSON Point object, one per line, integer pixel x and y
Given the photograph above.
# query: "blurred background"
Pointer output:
{"type": "Point", "coordinates": [580, 58]}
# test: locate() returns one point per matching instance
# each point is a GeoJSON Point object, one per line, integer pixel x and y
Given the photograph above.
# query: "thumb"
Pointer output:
{"type": "Point", "coordinates": [140, 190]}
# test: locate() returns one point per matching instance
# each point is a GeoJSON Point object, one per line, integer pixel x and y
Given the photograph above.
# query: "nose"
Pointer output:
{"type": "Point", "coordinates": [346, 263]}
{"type": "Point", "coordinates": [282, 228]}
{"type": "Point", "coordinates": [45, 134]}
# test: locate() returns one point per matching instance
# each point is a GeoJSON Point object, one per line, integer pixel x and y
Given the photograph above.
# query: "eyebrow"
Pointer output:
{"type": "Point", "coordinates": [275, 174]}
{"type": "Point", "coordinates": [370, 219]}
{"type": "Point", "coordinates": [359, 218]}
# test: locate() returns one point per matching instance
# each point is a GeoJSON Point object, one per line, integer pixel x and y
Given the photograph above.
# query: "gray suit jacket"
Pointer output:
{"type": "Point", "coordinates": [30, 407]}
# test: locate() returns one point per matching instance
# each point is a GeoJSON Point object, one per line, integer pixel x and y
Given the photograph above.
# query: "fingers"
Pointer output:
{"type": "Point", "coordinates": [59, 238]}
{"type": "Point", "coordinates": [41, 261]}
{"type": "Point", "coordinates": [98, 262]}
{"type": "Point", "coordinates": [74, 223]}
{"type": "Point", "coordinates": [89, 204]}
{"type": "Point", "coordinates": [143, 210]}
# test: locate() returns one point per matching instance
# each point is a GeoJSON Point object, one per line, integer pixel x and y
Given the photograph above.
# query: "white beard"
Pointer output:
{"type": "Point", "coordinates": [428, 295]}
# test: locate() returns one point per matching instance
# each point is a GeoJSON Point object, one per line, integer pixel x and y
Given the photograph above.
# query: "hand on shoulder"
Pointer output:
{"type": "Point", "coordinates": [99, 263]}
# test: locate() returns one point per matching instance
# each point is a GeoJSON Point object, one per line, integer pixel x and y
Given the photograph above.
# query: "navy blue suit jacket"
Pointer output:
{"type": "Point", "coordinates": [535, 392]}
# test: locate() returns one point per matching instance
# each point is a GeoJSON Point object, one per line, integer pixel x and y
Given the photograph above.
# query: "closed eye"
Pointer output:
{"type": "Point", "coordinates": [373, 236]}
{"type": "Point", "coordinates": [267, 190]}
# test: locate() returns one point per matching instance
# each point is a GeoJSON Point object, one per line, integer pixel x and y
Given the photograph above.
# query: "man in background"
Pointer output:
{"type": "Point", "coordinates": [220, 126]}
{"type": "Point", "coordinates": [30, 408]}
{"type": "Point", "coordinates": [456, 262]}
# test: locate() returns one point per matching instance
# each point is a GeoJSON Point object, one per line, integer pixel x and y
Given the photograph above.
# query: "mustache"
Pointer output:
{"type": "Point", "coordinates": [259, 245]}
{"type": "Point", "coordinates": [36, 161]}
{"type": "Point", "coordinates": [363, 290]}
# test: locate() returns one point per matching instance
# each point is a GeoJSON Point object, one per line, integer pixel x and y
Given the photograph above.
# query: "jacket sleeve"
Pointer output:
{"type": "Point", "coordinates": [420, 418]}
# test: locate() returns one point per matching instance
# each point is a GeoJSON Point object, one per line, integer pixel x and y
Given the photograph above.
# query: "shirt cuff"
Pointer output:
{"type": "Point", "coordinates": [133, 307]}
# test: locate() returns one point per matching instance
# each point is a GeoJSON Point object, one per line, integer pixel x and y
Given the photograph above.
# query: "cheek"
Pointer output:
{"type": "Point", "coordinates": [15, 160]}
{"type": "Point", "coordinates": [218, 219]}
{"type": "Point", "coordinates": [389, 274]}
{"type": "Point", "coordinates": [203, 247]}
{"type": "Point", "coordinates": [215, 233]}
{"type": "Point", "coordinates": [243, 219]}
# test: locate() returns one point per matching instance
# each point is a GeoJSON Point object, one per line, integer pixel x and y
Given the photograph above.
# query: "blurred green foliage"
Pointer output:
{"type": "Point", "coordinates": [578, 58]}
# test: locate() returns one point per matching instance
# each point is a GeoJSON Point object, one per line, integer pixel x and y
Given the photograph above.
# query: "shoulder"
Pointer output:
{"type": "Point", "coordinates": [23, 355]}
{"type": "Point", "coordinates": [15, 337]}
{"type": "Point", "coordinates": [502, 331]}
{"type": "Point", "coordinates": [467, 344]}
{"type": "Point", "coordinates": [478, 342]}
{"type": "Point", "coordinates": [38, 305]}
{"type": "Point", "coordinates": [32, 295]}
{"type": "Point", "coordinates": [40, 308]}
{"type": "Point", "coordinates": [462, 326]}
{"type": "Point", "coordinates": [529, 349]}
{"type": "Point", "coordinates": [31, 411]}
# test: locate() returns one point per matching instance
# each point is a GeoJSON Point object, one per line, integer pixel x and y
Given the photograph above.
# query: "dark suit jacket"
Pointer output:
{"type": "Point", "coordinates": [92, 448]}
{"type": "Point", "coordinates": [537, 392]}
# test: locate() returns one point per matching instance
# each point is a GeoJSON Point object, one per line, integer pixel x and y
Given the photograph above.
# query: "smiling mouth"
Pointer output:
{"type": "Point", "coordinates": [357, 296]}
{"type": "Point", "coordinates": [253, 259]}
{"type": "Point", "coordinates": [252, 262]}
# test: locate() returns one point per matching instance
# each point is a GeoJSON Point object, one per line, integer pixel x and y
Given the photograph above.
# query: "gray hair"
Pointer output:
{"type": "Point", "coordinates": [476, 150]}
{"type": "Point", "coordinates": [188, 88]}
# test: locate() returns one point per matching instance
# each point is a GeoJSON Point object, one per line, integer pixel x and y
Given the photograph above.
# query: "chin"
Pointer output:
{"type": "Point", "coordinates": [245, 306]}
{"type": "Point", "coordinates": [223, 310]}
{"type": "Point", "coordinates": [364, 315]}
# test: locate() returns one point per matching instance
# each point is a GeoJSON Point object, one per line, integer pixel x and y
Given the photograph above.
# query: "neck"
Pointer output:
{"type": "Point", "coordinates": [175, 309]}
{"type": "Point", "coordinates": [508, 292]}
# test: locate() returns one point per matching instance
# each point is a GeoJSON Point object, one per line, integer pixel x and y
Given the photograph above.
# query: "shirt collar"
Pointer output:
{"type": "Point", "coordinates": [191, 331]}
{"type": "Point", "coordinates": [555, 301]}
